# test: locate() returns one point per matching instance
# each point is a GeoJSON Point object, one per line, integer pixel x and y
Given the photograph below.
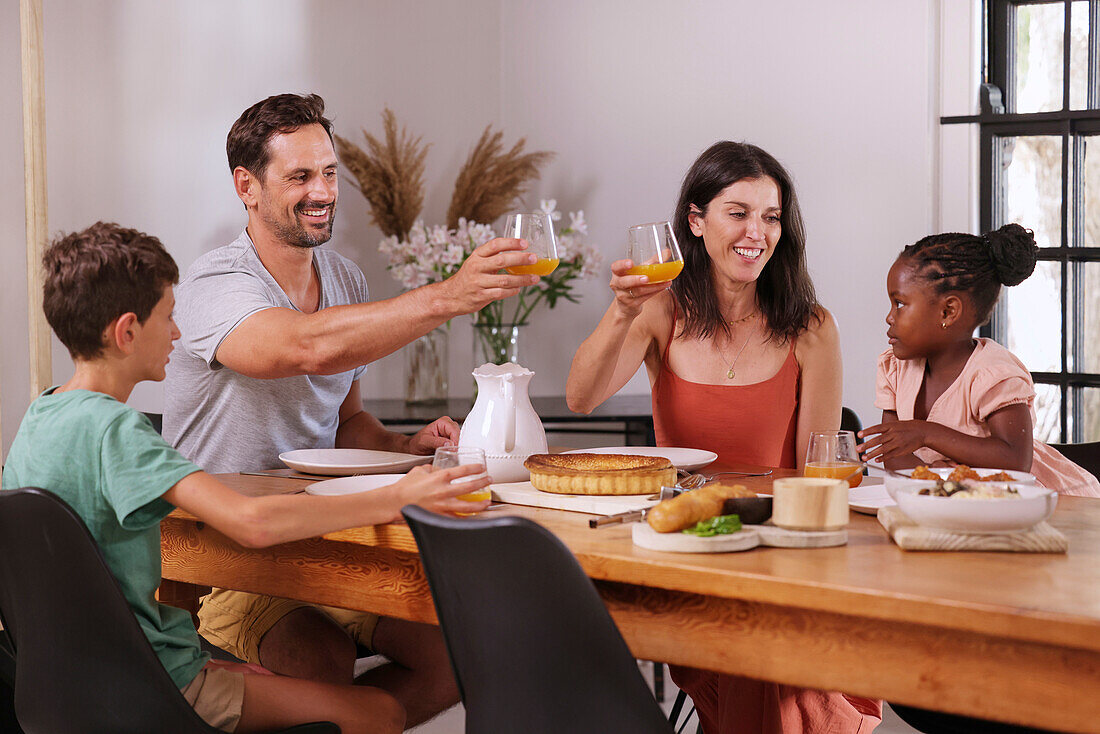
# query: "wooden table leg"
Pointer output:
{"type": "Point", "coordinates": [183, 595]}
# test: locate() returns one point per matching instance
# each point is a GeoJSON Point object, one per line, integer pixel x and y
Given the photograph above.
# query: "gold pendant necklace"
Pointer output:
{"type": "Point", "coordinates": [731, 373]}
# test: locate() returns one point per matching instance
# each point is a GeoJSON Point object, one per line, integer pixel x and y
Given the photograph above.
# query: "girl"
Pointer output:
{"type": "Point", "coordinates": [945, 396]}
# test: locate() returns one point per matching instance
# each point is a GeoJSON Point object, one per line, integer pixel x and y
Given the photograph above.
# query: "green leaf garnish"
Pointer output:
{"type": "Point", "coordinates": [720, 525]}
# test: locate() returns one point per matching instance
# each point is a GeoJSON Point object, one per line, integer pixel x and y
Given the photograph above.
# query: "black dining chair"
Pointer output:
{"type": "Point", "coordinates": [533, 647]}
{"type": "Point", "coordinates": [1084, 455]}
{"type": "Point", "coordinates": [849, 420]}
{"type": "Point", "coordinates": [934, 722]}
{"type": "Point", "coordinates": [82, 662]}
{"type": "Point", "coordinates": [8, 722]}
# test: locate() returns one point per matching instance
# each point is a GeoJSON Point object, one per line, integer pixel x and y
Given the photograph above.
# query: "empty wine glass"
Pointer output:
{"type": "Point", "coordinates": [538, 230]}
{"type": "Point", "coordinates": [654, 250]}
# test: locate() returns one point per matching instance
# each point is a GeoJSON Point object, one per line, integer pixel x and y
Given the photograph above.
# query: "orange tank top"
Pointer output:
{"type": "Point", "coordinates": [751, 424]}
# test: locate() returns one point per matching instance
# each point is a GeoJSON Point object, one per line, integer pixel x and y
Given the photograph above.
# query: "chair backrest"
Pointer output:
{"type": "Point", "coordinates": [157, 419]}
{"type": "Point", "coordinates": [1085, 455]}
{"type": "Point", "coordinates": [849, 421]}
{"type": "Point", "coordinates": [82, 661]}
{"type": "Point", "coordinates": [533, 646]}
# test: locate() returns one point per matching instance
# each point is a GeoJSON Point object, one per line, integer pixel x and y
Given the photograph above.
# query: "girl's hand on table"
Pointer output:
{"type": "Point", "coordinates": [894, 439]}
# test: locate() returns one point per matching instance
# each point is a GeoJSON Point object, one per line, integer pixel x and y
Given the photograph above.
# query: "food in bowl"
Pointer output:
{"type": "Point", "coordinates": [981, 489]}
{"type": "Point", "coordinates": [962, 473]}
{"type": "Point", "coordinates": [600, 474]}
{"type": "Point", "coordinates": [984, 513]}
{"type": "Point", "coordinates": [925, 477]}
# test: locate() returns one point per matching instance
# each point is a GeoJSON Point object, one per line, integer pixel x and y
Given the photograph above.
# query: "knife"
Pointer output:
{"type": "Point", "coordinates": [632, 515]}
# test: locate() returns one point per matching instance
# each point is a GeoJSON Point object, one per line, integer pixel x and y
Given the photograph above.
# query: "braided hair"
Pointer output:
{"type": "Point", "coordinates": [975, 265]}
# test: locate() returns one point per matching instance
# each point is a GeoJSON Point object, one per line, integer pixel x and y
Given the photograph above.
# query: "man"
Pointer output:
{"type": "Point", "coordinates": [275, 336]}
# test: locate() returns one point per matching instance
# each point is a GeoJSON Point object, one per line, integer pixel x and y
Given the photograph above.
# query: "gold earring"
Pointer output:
{"type": "Point", "coordinates": [943, 325]}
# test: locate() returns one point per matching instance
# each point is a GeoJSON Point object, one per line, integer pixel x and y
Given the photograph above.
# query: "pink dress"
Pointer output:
{"type": "Point", "coordinates": [993, 378]}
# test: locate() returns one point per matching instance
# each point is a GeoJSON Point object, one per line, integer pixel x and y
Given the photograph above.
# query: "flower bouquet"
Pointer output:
{"type": "Point", "coordinates": [390, 175]}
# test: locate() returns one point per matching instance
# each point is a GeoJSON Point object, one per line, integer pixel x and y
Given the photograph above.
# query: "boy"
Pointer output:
{"type": "Point", "coordinates": [108, 297]}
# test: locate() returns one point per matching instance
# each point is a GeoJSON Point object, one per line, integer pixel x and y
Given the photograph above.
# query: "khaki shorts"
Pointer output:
{"type": "Point", "coordinates": [217, 696]}
{"type": "Point", "coordinates": [236, 621]}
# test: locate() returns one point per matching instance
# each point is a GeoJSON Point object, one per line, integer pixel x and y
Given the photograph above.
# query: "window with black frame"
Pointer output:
{"type": "Point", "coordinates": [1040, 166]}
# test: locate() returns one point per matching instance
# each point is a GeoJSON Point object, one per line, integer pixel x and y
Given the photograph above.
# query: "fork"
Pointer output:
{"type": "Point", "coordinates": [689, 481]}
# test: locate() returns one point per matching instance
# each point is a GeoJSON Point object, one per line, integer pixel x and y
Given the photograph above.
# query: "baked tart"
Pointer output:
{"type": "Point", "coordinates": [600, 473]}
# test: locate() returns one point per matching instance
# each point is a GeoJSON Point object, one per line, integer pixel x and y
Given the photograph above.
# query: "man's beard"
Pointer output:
{"type": "Point", "coordinates": [303, 237]}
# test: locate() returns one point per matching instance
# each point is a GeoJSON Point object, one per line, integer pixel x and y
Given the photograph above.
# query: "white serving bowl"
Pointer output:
{"type": "Point", "coordinates": [893, 482]}
{"type": "Point", "coordinates": [978, 515]}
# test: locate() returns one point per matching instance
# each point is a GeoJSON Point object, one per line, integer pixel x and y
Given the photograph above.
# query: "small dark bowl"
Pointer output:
{"type": "Point", "coordinates": [751, 510]}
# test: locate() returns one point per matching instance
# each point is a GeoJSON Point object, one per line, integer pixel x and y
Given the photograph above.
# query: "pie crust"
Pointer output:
{"type": "Point", "coordinates": [601, 474]}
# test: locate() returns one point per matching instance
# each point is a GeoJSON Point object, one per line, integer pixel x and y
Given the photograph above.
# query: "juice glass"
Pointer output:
{"type": "Point", "coordinates": [538, 230]}
{"type": "Point", "coordinates": [832, 454]}
{"type": "Point", "coordinates": [448, 456]}
{"type": "Point", "coordinates": [655, 252]}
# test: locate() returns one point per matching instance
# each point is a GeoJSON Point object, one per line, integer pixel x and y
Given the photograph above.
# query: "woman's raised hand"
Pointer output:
{"type": "Point", "coordinates": [632, 291]}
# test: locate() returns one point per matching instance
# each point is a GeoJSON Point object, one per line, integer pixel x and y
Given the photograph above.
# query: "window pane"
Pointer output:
{"type": "Point", "coordinates": [1033, 312]}
{"type": "Point", "coordinates": [1039, 41]}
{"type": "Point", "coordinates": [1088, 292]}
{"type": "Point", "coordinates": [1090, 177]}
{"type": "Point", "coordinates": [1087, 399]}
{"type": "Point", "coordinates": [1079, 55]}
{"type": "Point", "coordinates": [1031, 185]}
{"type": "Point", "coordinates": [1048, 413]}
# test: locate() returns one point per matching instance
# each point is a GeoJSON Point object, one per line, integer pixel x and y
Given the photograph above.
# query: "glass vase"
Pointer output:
{"type": "Point", "coordinates": [426, 365]}
{"type": "Point", "coordinates": [497, 343]}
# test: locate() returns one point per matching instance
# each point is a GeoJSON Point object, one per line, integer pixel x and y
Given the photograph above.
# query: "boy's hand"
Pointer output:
{"type": "Point", "coordinates": [432, 489]}
{"type": "Point", "coordinates": [894, 439]}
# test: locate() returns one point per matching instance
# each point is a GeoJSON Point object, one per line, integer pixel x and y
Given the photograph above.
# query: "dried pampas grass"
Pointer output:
{"type": "Point", "coordinates": [490, 180]}
{"type": "Point", "coordinates": [390, 175]}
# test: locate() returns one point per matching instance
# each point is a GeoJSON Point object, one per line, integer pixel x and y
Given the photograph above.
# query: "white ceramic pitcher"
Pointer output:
{"type": "Point", "coordinates": [503, 423]}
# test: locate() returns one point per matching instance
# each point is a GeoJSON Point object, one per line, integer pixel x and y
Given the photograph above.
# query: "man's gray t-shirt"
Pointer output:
{"type": "Point", "coordinates": [222, 420]}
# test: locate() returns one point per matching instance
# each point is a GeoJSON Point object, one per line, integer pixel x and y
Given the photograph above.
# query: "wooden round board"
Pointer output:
{"type": "Point", "coordinates": [646, 537]}
{"type": "Point", "coordinates": [781, 538]}
{"type": "Point", "coordinates": [749, 537]}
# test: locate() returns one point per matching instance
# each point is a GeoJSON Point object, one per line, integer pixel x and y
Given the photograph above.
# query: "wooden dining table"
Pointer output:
{"type": "Point", "coordinates": [1013, 637]}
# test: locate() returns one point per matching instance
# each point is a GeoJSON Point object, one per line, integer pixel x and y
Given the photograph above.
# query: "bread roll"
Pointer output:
{"type": "Point", "coordinates": [691, 507]}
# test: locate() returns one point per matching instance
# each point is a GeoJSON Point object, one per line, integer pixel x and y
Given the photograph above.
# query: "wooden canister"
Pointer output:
{"type": "Point", "coordinates": [810, 503]}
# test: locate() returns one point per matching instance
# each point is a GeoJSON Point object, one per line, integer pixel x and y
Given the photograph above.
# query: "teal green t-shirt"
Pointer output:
{"type": "Point", "coordinates": [108, 463]}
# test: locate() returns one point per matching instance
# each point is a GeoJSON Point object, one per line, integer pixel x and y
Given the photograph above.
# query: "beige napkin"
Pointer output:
{"type": "Point", "coordinates": [908, 535]}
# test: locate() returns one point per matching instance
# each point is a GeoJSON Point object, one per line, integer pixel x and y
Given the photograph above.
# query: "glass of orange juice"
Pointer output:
{"type": "Point", "coordinates": [538, 230]}
{"type": "Point", "coordinates": [833, 454]}
{"type": "Point", "coordinates": [654, 250]}
{"type": "Point", "coordinates": [448, 456]}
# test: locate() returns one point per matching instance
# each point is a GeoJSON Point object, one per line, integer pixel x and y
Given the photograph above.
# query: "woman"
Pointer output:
{"type": "Point", "coordinates": [742, 361]}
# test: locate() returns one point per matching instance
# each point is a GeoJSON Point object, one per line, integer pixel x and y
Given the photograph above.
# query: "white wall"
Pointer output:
{"type": "Point", "coordinates": [140, 96]}
{"type": "Point", "coordinates": [630, 93]}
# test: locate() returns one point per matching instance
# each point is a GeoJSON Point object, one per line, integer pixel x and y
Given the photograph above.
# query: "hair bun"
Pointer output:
{"type": "Point", "coordinates": [1013, 252]}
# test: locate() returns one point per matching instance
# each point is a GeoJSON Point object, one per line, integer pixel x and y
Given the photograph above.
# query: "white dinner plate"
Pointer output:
{"type": "Point", "coordinates": [686, 459]}
{"type": "Point", "coordinates": [352, 485]}
{"type": "Point", "coordinates": [343, 462]}
{"type": "Point", "coordinates": [869, 496]}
